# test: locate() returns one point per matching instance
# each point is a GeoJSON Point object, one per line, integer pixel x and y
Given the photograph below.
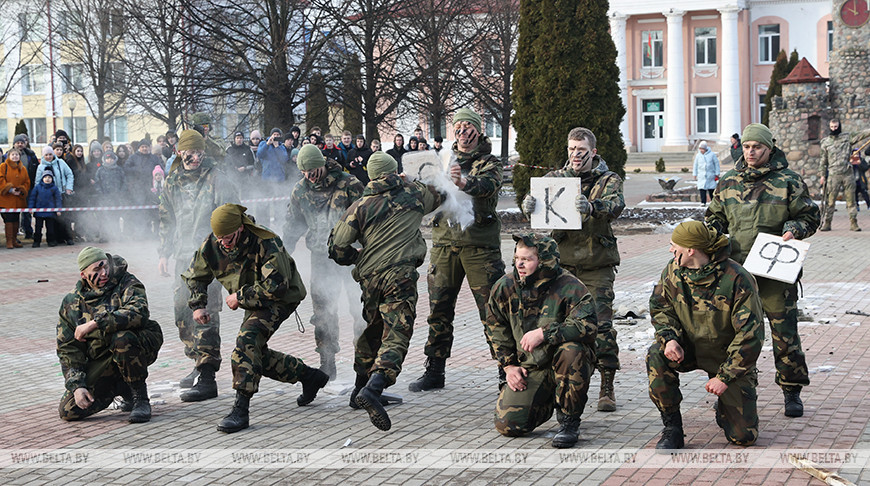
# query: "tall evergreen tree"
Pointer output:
{"type": "Point", "coordinates": [20, 127]}
{"type": "Point", "coordinates": [352, 93]}
{"type": "Point", "coordinates": [317, 113]}
{"type": "Point", "coordinates": [784, 65]}
{"type": "Point", "coordinates": [566, 77]}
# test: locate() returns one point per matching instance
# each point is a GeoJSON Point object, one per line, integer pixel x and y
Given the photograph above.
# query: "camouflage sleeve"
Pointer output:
{"type": "Point", "coordinates": [804, 213]}
{"type": "Point", "coordinates": [715, 216]}
{"type": "Point", "coordinates": [487, 181]}
{"type": "Point", "coordinates": [748, 320]}
{"type": "Point", "coordinates": [858, 136]}
{"type": "Point", "coordinates": [133, 311]}
{"type": "Point", "coordinates": [166, 230]}
{"type": "Point", "coordinates": [342, 237]}
{"type": "Point", "coordinates": [581, 321]}
{"type": "Point", "coordinates": [354, 190]}
{"type": "Point", "coordinates": [661, 310]}
{"type": "Point", "coordinates": [273, 284]}
{"type": "Point", "coordinates": [432, 199]}
{"type": "Point", "coordinates": [295, 225]}
{"type": "Point", "coordinates": [70, 352]}
{"type": "Point", "coordinates": [612, 202]}
{"type": "Point", "coordinates": [823, 158]}
{"type": "Point", "coordinates": [197, 277]}
{"type": "Point", "coordinates": [498, 326]}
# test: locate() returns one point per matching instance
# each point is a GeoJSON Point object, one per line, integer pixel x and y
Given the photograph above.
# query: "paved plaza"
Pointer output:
{"type": "Point", "coordinates": [440, 437]}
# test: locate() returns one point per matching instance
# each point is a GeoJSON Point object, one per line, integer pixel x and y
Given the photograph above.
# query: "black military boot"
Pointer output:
{"type": "Point", "coordinates": [327, 365]}
{"type": "Point", "coordinates": [312, 381]}
{"type": "Point", "coordinates": [432, 378]}
{"type": "Point", "coordinates": [238, 417]}
{"type": "Point", "coordinates": [205, 387]}
{"type": "Point", "coordinates": [672, 435]}
{"type": "Point", "coordinates": [141, 405]}
{"type": "Point", "coordinates": [189, 380]}
{"type": "Point", "coordinates": [369, 398]}
{"type": "Point", "coordinates": [568, 432]}
{"type": "Point", "coordinates": [358, 385]}
{"type": "Point", "coordinates": [607, 397]}
{"type": "Point", "coordinates": [794, 406]}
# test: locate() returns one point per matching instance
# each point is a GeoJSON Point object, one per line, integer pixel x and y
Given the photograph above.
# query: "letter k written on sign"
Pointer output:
{"type": "Point", "coordinates": [548, 204]}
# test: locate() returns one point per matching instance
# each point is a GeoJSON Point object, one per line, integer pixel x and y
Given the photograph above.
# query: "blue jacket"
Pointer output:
{"type": "Point", "coordinates": [273, 160]}
{"type": "Point", "coordinates": [45, 196]}
{"type": "Point", "coordinates": [63, 175]}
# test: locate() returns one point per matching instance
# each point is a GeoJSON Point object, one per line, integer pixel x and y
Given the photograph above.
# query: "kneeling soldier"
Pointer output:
{"type": "Point", "coordinates": [542, 323]}
{"type": "Point", "coordinates": [251, 263]}
{"type": "Point", "coordinates": [105, 340]}
{"type": "Point", "coordinates": [707, 315]}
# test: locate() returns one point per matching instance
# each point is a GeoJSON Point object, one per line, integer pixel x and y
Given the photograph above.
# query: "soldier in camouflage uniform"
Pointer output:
{"type": "Point", "coordinates": [317, 203]}
{"type": "Point", "coordinates": [473, 253]}
{"type": "Point", "coordinates": [386, 222]}
{"type": "Point", "coordinates": [836, 172]}
{"type": "Point", "coordinates": [541, 321]}
{"type": "Point", "coordinates": [105, 340]}
{"type": "Point", "coordinates": [591, 253]}
{"type": "Point", "coordinates": [762, 195]}
{"type": "Point", "coordinates": [194, 188]}
{"type": "Point", "coordinates": [707, 315]}
{"type": "Point", "coordinates": [261, 278]}
{"type": "Point", "coordinates": [202, 123]}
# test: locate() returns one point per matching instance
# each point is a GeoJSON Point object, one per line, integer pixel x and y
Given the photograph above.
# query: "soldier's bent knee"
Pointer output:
{"type": "Point", "coordinates": [742, 437]}
{"type": "Point", "coordinates": [510, 428]}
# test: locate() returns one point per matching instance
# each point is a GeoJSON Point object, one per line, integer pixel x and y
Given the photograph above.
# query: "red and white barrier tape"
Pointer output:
{"type": "Point", "coordinates": [123, 208]}
{"type": "Point", "coordinates": [529, 166]}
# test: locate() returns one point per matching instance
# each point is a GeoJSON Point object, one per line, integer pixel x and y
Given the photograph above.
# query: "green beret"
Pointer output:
{"type": "Point", "coordinates": [468, 115]}
{"type": "Point", "coordinates": [381, 164]}
{"type": "Point", "coordinates": [310, 158]}
{"type": "Point", "coordinates": [756, 132]}
{"type": "Point", "coordinates": [190, 140]}
{"type": "Point", "coordinates": [90, 255]}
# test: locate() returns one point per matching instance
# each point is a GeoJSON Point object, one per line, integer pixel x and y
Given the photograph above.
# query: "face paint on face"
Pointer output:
{"type": "Point", "coordinates": [314, 175]}
{"type": "Point", "coordinates": [580, 154]}
{"type": "Point", "coordinates": [467, 136]}
{"type": "Point", "coordinates": [191, 159]}
{"type": "Point", "coordinates": [228, 242]}
{"type": "Point", "coordinates": [755, 154]}
{"type": "Point", "coordinates": [97, 274]}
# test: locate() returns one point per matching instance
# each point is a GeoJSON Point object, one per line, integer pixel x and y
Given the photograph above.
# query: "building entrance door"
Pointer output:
{"type": "Point", "coordinates": [653, 120]}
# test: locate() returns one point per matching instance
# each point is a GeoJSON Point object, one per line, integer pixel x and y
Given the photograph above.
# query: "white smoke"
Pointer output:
{"type": "Point", "coordinates": [431, 169]}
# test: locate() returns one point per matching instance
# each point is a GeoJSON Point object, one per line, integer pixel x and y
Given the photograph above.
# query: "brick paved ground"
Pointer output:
{"type": "Point", "coordinates": [837, 279]}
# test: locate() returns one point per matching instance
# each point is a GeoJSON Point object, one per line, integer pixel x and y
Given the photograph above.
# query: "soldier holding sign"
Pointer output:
{"type": "Point", "coordinates": [762, 195]}
{"type": "Point", "coordinates": [590, 253]}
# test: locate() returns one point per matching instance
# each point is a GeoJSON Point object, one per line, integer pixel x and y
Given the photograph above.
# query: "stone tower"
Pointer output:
{"type": "Point", "coordinates": [850, 63]}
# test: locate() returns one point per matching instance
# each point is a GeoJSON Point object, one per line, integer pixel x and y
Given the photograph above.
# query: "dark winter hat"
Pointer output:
{"type": "Point", "coordinates": [90, 255]}
{"type": "Point", "coordinates": [381, 164]}
{"type": "Point", "coordinates": [295, 129]}
{"type": "Point", "coordinates": [48, 172]}
{"type": "Point", "coordinates": [276, 130]}
{"type": "Point", "coordinates": [20, 138]}
{"type": "Point", "coordinates": [310, 158]}
{"type": "Point", "coordinates": [238, 134]}
{"type": "Point", "coordinates": [61, 133]}
{"type": "Point", "coordinates": [190, 140]}
{"type": "Point", "coordinates": [468, 115]}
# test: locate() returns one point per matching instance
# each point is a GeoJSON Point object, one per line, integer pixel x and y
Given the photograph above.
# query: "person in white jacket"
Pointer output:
{"type": "Point", "coordinates": [706, 171]}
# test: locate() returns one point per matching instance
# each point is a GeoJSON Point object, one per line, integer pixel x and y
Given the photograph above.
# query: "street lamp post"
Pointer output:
{"type": "Point", "coordinates": [72, 111]}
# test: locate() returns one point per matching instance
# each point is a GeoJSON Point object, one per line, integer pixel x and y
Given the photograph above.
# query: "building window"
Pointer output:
{"type": "Point", "coordinates": [706, 114]}
{"type": "Point", "coordinates": [652, 48]}
{"type": "Point", "coordinates": [33, 79]}
{"type": "Point", "coordinates": [30, 25]}
{"type": "Point", "coordinates": [36, 130]}
{"type": "Point", "coordinates": [115, 77]}
{"type": "Point", "coordinates": [705, 45]}
{"type": "Point", "coordinates": [116, 129]}
{"type": "Point", "coordinates": [77, 128]}
{"type": "Point", "coordinates": [761, 107]}
{"type": "Point", "coordinates": [4, 132]}
{"type": "Point", "coordinates": [830, 39]}
{"type": "Point", "coordinates": [493, 128]}
{"type": "Point", "coordinates": [768, 43]}
{"type": "Point", "coordinates": [72, 76]}
{"type": "Point", "coordinates": [492, 59]}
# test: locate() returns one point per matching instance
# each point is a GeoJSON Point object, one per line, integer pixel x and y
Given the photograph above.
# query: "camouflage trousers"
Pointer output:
{"type": "Point", "coordinates": [736, 409]}
{"type": "Point", "coordinates": [389, 308]}
{"type": "Point", "coordinates": [125, 360]}
{"type": "Point", "coordinates": [327, 280]}
{"type": "Point", "coordinates": [252, 358]}
{"type": "Point", "coordinates": [565, 384]}
{"type": "Point", "coordinates": [600, 285]}
{"type": "Point", "coordinates": [835, 184]}
{"type": "Point", "coordinates": [202, 342]}
{"type": "Point", "coordinates": [779, 301]}
{"type": "Point", "coordinates": [448, 265]}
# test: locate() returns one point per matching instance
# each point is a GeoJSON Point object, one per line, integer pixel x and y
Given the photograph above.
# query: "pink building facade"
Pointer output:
{"type": "Point", "coordinates": [699, 70]}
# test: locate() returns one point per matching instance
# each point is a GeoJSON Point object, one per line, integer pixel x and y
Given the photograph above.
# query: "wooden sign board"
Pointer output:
{"type": "Point", "coordinates": [425, 166]}
{"type": "Point", "coordinates": [554, 207]}
{"type": "Point", "coordinates": [772, 258]}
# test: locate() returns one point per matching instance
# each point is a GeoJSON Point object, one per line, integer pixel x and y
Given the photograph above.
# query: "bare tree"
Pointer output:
{"type": "Point", "coordinates": [377, 32]}
{"type": "Point", "coordinates": [494, 60]}
{"type": "Point", "coordinates": [22, 40]}
{"type": "Point", "coordinates": [92, 47]}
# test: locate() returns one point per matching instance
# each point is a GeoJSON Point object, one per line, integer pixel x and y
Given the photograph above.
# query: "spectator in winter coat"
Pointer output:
{"type": "Point", "coordinates": [398, 150]}
{"type": "Point", "coordinates": [45, 195]}
{"type": "Point", "coordinates": [358, 158]}
{"type": "Point", "coordinates": [31, 163]}
{"type": "Point", "coordinates": [706, 171]}
{"type": "Point", "coordinates": [14, 186]}
{"type": "Point", "coordinates": [330, 150]}
{"type": "Point", "coordinates": [346, 143]}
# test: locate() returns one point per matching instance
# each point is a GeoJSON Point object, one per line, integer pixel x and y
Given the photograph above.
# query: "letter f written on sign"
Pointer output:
{"type": "Point", "coordinates": [548, 204]}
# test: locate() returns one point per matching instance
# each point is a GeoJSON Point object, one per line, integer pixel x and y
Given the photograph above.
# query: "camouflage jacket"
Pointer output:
{"type": "Point", "coordinates": [315, 208]}
{"type": "Point", "coordinates": [120, 305]}
{"type": "Point", "coordinates": [835, 152]}
{"type": "Point", "coordinates": [386, 222]}
{"type": "Point", "coordinates": [714, 312]}
{"type": "Point", "coordinates": [188, 199]}
{"type": "Point", "coordinates": [258, 270]}
{"type": "Point", "coordinates": [769, 199]}
{"type": "Point", "coordinates": [483, 177]}
{"type": "Point", "coordinates": [551, 299]}
{"type": "Point", "coordinates": [214, 150]}
{"type": "Point", "coordinates": [593, 246]}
